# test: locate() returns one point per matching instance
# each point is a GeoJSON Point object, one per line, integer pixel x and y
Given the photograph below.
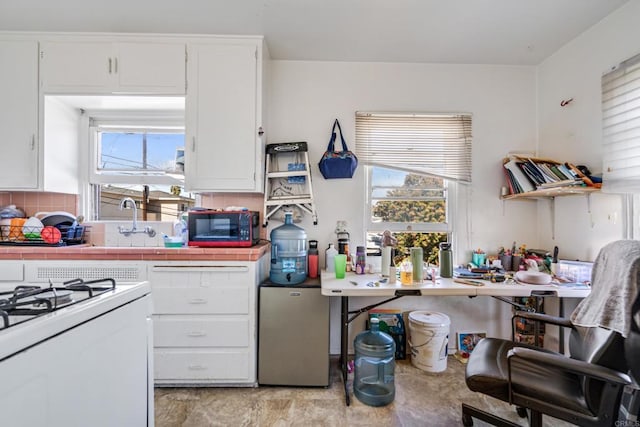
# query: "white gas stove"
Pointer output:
{"type": "Point", "coordinates": [79, 350]}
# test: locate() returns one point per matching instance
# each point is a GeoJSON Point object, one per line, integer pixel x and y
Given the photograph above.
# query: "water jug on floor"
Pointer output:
{"type": "Point", "coordinates": [375, 363]}
{"type": "Point", "coordinates": [288, 253]}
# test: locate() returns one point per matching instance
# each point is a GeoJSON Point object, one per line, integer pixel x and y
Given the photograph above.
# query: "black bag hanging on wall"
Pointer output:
{"type": "Point", "coordinates": [337, 164]}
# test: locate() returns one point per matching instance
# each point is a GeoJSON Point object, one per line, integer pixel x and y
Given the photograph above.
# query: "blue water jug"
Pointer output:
{"type": "Point", "coordinates": [375, 363]}
{"type": "Point", "coordinates": [288, 253]}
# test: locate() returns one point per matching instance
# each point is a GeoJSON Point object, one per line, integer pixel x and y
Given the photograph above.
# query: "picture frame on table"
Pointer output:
{"type": "Point", "coordinates": [468, 340]}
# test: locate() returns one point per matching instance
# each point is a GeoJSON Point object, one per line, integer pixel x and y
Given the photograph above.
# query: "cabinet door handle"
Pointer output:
{"type": "Point", "coordinates": [197, 367]}
{"type": "Point", "coordinates": [115, 65]}
{"type": "Point", "coordinates": [193, 143]}
{"type": "Point", "coordinates": [109, 65]}
{"type": "Point", "coordinates": [196, 334]}
{"type": "Point", "coordinates": [197, 301]}
{"type": "Point", "coordinates": [33, 142]}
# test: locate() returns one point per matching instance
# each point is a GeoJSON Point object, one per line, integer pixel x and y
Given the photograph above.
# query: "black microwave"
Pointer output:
{"type": "Point", "coordinates": [222, 229]}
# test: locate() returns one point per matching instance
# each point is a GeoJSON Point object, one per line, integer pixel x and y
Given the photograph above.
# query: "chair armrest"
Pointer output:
{"type": "Point", "coordinates": [545, 318]}
{"type": "Point", "coordinates": [572, 365]}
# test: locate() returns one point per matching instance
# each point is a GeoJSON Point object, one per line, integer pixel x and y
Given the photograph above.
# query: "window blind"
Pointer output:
{"type": "Point", "coordinates": [432, 144]}
{"type": "Point", "coordinates": [621, 128]}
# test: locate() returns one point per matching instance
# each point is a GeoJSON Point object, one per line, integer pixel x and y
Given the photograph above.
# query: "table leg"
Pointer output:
{"type": "Point", "coordinates": [344, 344]}
{"type": "Point", "coordinates": [561, 329]}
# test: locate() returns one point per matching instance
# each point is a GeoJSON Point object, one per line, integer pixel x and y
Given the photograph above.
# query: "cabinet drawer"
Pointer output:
{"type": "Point", "coordinates": [202, 300]}
{"type": "Point", "coordinates": [211, 366]}
{"type": "Point", "coordinates": [187, 289]}
{"type": "Point", "coordinates": [200, 331]}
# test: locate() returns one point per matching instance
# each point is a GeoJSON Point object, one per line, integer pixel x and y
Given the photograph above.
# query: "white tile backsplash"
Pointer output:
{"type": "Point", "coordinates": [113, 238]}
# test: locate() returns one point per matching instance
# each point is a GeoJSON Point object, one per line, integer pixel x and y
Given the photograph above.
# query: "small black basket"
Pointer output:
{"type": "Point", "coordinates": [13, 235]}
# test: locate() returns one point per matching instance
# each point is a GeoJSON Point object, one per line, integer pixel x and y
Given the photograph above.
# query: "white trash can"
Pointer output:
{"type": "Point", "coordinates": [429, 340]}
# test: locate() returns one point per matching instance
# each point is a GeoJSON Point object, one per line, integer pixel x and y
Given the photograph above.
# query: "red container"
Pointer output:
{"type": "Point", "coordinates": [312, 259]}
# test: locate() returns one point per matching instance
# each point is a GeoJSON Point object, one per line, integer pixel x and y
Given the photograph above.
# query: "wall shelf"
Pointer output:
{"type": "Point", "coordinates": [552, 192]}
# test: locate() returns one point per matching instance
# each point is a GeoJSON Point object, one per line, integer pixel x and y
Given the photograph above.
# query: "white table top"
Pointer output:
{"type": "Point", "coordinates": [357, 285]}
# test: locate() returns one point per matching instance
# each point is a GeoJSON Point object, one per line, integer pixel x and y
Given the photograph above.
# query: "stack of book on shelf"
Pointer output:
{"type": "Point", "coordinates": [526, 174]}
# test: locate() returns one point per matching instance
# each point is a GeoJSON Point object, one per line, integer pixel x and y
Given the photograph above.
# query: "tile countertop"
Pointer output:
{"type": "Point", "coordinates": [87, 252]}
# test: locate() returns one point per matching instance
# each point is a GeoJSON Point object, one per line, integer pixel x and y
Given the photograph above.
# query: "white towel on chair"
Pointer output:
{"type": "Point", "coordinates": [614, 286]}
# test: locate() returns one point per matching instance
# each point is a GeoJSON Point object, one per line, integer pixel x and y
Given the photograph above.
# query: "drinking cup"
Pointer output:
{"type": "Point", "coordinates": [478, 259]}
{"type": "Point", "coordinates": [506, 262]}
{"type": "Point", "coordinates": [341, 265]}
{"type": "Point", "coordinates": [515, 262]}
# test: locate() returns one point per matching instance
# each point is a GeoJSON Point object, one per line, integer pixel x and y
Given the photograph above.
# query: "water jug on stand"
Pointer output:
{"type": "Point", "coordinates": [288, 253]}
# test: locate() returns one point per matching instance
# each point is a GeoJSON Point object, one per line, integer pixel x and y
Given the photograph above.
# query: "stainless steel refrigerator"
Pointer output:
{"type": "Point", "coordinates": [293, 335]}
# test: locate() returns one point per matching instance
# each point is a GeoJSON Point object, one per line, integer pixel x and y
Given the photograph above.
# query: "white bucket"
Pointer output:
{"type": "Point", "coordinates": [429, 340]}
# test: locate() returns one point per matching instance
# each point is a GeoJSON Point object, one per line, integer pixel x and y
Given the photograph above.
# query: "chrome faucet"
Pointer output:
{"type": "Point", "coordinates": [134, 226]}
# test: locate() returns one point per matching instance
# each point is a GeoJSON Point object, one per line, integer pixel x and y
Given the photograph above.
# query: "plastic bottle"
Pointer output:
{"type": "Point", "coordinates": [392, 268]}
{"type": "Point", "coordinates": [361, 260]}
{"type": "Point", "coordinates": [329, 258]}
{"type": "Point", "coordinates": [343, 243]}
{"type": "Point", "coordinates": [386, 260]}
{"type": "Point", "coordinates": [312, 257]}
{"type": "Point", "coordinates": [184, 217]}
{"type": "Point", "coordinates": [417, 262]}
{"type": "Point", "coordinates": [288, 253]}
{"type": "Point", "coordinates": [374, 365]}
{"type": "Point", "coordinates": [179, 229]}
{"type": "Point", "coordinates": [446, 260]}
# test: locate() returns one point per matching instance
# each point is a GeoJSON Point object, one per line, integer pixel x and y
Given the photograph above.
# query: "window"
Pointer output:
{"type": "Point", "coordinates": [138, 157]}
{"type": "Point", "coordinates": [121, 151]}
{"type": "Point", "coordinates": [621, 138]}
{"type": "Point", "coordinates": [414, 163]}
{"type": "Point", "coordinates": [621, 128]}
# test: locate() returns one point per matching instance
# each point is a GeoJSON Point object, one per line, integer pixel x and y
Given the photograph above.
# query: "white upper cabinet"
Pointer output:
{"type": "Point", "coordinates": [19, 114]}
{"type": "Point", "coordinates": [224, 116]}
{"type": "Point", "coordinates": [107, 67]}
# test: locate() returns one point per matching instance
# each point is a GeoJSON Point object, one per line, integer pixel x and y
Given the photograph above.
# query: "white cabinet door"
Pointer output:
{"type": "Point", "coordinates": [76, 67]}
{"type": "Point", "coordinates": [224, 150]}
{"type": "Point", "coordinates": [105, 67]}
{"type": "Point", "coordinates": [151, 68]}
{"type": "Point", "coordinates": [19, 114]}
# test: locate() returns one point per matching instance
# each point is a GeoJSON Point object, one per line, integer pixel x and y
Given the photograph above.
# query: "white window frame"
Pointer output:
{"type": "Point", "coordinates": [450, 189]}
{"type": "Point", "coordinates": [122, 122]}
{"type": "Point", "coordinates": [88, 149]}
{"type": "Point", "coordinates": [374, 153]}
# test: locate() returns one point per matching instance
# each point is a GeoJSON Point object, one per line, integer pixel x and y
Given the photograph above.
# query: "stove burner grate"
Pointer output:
{"type": "Point", "coordinates": [28, 300]}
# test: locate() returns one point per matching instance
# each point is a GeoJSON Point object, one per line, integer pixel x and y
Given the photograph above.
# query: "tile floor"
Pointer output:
{"type": "Point", "coordinates": [422, 399]}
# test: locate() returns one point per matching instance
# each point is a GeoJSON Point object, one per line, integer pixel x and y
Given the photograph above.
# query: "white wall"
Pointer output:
{"type": "Point", "coordinates": [306, 97]}
{"type": "Point", "coordinates": [574, 133]}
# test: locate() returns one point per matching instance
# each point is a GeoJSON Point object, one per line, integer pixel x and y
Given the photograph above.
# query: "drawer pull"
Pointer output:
{"type": "Point", "coordinates": [196, 334]}
{"type": "Point", "coordinates": [197, 367]}
{"type": "Point", "coordinates": [197, 301]}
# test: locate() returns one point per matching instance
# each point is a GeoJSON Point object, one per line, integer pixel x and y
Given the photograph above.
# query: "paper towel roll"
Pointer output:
{"type": "Point", "coordinates": [386, 260]}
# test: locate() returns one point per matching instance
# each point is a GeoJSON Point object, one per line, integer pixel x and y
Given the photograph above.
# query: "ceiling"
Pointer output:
{"type": "Point", "coordinates": [518, 32]}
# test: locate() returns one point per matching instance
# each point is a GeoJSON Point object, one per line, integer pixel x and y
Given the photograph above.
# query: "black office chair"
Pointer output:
{"type": "Point", "coordinates": [585, 388]}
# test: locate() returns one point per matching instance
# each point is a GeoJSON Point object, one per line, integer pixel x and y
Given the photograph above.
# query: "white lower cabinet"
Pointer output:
{"type": "Point", "coordinates": [205, 322]}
